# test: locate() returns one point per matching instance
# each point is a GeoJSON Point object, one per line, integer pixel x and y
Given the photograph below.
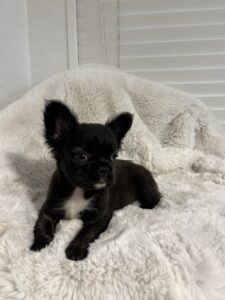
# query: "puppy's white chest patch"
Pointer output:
{"type": "Point", "coordinates": [75, 204]}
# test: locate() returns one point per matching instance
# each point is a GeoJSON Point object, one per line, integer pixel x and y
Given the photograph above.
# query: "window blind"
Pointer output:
{"type": "Point", "coordinates": [180, 43]}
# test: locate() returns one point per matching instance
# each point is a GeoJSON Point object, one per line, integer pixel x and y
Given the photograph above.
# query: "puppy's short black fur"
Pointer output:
{"type": "Point", "coordinates": [89, 181]}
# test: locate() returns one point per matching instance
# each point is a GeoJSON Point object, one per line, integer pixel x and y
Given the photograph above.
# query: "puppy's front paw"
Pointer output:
{"type": "Point", "coordinates": [76, 252]}
{"type": "Point", "coordinates": [39, 243]}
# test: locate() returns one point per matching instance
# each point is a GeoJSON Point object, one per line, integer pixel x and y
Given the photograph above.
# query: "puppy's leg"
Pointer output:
{"type": "Point", "coordinates": [44, 230]}
{"type": "Point", "coordinates": [49, 215]}
{"type": "Point", "coordinates": [93, 226]}
{"type": "Point", "coordinates": [148, 198]}
{"type": "Point", "coordinates": [147, 192]}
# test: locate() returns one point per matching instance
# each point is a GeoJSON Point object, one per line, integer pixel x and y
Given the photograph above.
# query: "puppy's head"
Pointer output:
{"type": "Point", "coordinates": [85, 153]}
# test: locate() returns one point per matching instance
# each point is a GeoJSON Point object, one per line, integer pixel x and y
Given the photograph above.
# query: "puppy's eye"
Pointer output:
{"type": "Point", "coordinates": [114, 156]}
{"type": "Point", "coordinates": [81, 156]}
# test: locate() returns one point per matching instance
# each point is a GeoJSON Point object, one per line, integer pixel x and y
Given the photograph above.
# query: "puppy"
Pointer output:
{"type": "Point", "coordinates": [89, 182]}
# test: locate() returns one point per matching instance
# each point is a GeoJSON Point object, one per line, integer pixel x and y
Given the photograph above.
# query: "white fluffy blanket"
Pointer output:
{"type": "Point", "coordinates": [176, 251]}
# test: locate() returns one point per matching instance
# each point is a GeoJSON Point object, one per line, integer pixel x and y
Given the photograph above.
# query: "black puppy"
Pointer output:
{"type": "Point", "coordinates": [89, 182]}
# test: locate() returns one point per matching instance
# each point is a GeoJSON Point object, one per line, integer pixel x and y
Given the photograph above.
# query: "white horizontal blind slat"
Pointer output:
{"type": "Point", "coordinates": [199, 89]}
{"type": "Point", "coordinates": [196, 61]}
{"type": "Point", "coordinates": [214, 101]}
{"type": "Point", "coordinates": [145, 20]}
{"type": "Point", "coordinates": [172, 48]}
{"type": "Point", "coordinates": [190, 75]}
{"type": "Point", "coordinates": [219, 113]}
{"type": "Point", "coordinates": [179, 42]}
{"type": "Point", "coordinates": [135, 7]}
{"type": "Point", "coordinates": [173, 33]}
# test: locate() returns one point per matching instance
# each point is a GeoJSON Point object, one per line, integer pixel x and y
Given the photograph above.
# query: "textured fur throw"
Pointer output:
{"type": "Point", "coordinates": [174, 252]}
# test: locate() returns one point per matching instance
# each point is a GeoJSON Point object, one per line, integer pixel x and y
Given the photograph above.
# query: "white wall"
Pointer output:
{"type": "Point", "coordinates": [47, 34]}
{"type": "Point", "coordinates": [14, 59]}
{"type": "Point", "coordinates": [33, 44]}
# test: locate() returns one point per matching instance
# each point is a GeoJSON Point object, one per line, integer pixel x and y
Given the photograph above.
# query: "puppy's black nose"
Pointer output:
{"type": "Point", "coordinates": [104, 171]}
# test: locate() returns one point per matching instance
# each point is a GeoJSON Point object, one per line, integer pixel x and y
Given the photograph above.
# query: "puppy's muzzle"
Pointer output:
{"type": "Point", "coordinates": [104, 172]}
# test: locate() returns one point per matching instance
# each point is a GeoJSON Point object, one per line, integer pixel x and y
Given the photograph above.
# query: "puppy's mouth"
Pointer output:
{"type": "Point", "coordinates": [100, 185]}
{"type": "Point", "coordinates": [103, 182]}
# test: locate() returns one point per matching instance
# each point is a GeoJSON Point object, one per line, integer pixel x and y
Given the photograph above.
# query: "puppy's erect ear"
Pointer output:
{"type": "Point", "coordinates": [59, 123]}
{"type": "Point", "coordinates": [120, 125]}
